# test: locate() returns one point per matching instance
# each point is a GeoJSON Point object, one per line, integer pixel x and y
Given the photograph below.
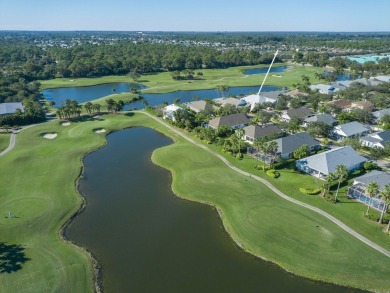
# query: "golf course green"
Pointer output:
{"type": "Point", "coordinates": [40, 190]}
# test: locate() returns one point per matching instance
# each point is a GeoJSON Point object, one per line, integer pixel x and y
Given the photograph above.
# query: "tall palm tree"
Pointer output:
{"type": "Point", "coordinates": [372, 190]}
{"type": "Point", "coordinates": [240, 133]}
{"type": "Point", "coordinates": [88, 107]}
{"type": "Point", "coordinates": [272, 149]}
{"type": "Point", "coordinates": [385, 195]}
{"type": "Point", "coordinates": [341, 172]}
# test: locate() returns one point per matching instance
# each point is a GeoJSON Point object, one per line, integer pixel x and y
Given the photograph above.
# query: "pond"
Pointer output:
{"type": "Point", "coordinates": [264, 70]}
{"type": "Point", "coordinates": [149, 240]}
{"type": "Point", "coordinates": [85, 94]}
{"type": "Point", "coordinates": [341, 77]}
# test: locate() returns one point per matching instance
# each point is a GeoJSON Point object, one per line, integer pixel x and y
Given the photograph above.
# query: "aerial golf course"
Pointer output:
{"type": "Point", "coordinates": [39, 187]}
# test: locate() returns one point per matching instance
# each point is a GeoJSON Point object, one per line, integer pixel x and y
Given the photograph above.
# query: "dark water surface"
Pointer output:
{"type": "Point", "coordinates": [265, 69]}
{"type": "Point", "coordinates": [149, 240]}
{"type": "Point", "coordinates": [89, 93]}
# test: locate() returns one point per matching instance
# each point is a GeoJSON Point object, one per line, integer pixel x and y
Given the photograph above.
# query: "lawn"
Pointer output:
{"type": "Point", "coordinates": [162, 82]}
{"type": "Point", "coordinates": [4, 141]}
{"type": "Point", "coordinates": [42, 197]}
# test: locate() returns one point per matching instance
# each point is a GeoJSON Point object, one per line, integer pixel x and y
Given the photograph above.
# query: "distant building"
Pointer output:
{"type": "Point", "coordinates": [343, 104]}
{"type": "Point", "coordinates": [231, 101]}
{"type": "Point", "coordinates": [381, 78]}
{"type": "Point", "coordinates": [303, 113]}
{"type": "Point", "coordinates": [10, 108]}
{"type": "Point", "coordinates": [379, 114]}
{"type": "Point", "coordinates": [201, 106]}
{"type": "Point", "coordinates": [376, 140]}
{"type": "Point", "coordinates": [324, 88]}
{"type": "Point", "coordinates": [320, 165]}
{"type": "Point", "coordinates": [265, 97]}
{"type": "Point", "coordinates": [363, 105]}
{"type": "Point", "coordinates": [235, 121]}
{"type": "Point", "coordinates": [252, 132]}
{"type": "Point", "coordinates": [325, 118]}
{"type": "Point", "coordinates": [349, 130]}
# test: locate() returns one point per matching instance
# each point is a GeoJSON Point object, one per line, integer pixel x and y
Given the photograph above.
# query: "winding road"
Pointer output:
{"type": "Point", "coordinates": [277, 191]}
{"type": "Point", "coordinates": [12, 140]}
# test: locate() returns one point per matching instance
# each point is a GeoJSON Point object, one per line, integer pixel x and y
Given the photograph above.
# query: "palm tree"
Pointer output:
{"type": "Point", "coordinates": [272, 149]}
{"type": "Point", "coordinates": [88, 107]}
{"type": "Point", "coordinates": [385, 195]}
{"type": "Point", "coordinates": [257, 143]}
{"type": "Point", "coordinates": [328, 181]}
{"type": "Point", "coordinates": [240, 133]}
{"type": "Point", "coordinates": [341, 173]}
{"type": "Point", "coordinates": [222, 89]}
{"type": "Point", "coordinates": [110, 105]}
{"type": "Point", "coordinates": [372, 190]}
{"type": "Point", "coordinates": [97, 107]}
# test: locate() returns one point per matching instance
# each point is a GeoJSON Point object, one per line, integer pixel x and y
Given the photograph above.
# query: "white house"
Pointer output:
{"type": "Point", "coordinates": [376, 140]}
{"type": "Point", "coordinates": [349, 130]}
{"type": "Point", "coordinates": [10, 108]}
{"type": "Point", "coordinates": [169, 110]}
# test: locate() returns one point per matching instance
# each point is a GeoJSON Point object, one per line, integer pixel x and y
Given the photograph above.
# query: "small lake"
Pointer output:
{"type": "Point", "coordinates": [149, 240]}
{"type": "Point", "coordinates": [341, 77]}
{"type": "Point", "coordinates": [85, 94]}
{"type": "Point", "coordinates": [264, 70]}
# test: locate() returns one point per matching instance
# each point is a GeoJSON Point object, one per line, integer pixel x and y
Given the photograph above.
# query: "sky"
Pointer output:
{"type": "Point", "coordinates": [196, 15]}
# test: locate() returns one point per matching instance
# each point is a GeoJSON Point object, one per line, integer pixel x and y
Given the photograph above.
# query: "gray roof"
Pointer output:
{"type": "Point", "coordinates": [200, 106]}
{"type": "Point", "coordinates": [272, 95]}
{"type": "Point", "coordinates": [232, 101]}
{"type": "Point", "coordinates": [327, 162]}
{"type": "Point", "coordinates": [378, 137]}
{"type": "Point", "coordinates": [256, 131]}
{"type": "Point", "coordinates": [351, 128]}
{"type": "Point", "coordinates": [289, 144]}
{"type": "Point", "coordinates": [382, 178]}
{"type": "Point", "coordinates": [299, 112]}
{"type": "Point", "coordinates": [229, 120]}
{"type": "Point", "coordinates": [10, 108]}
{"type": "Point", "coordinates": [379, 114]}
{"type": "Point", "coordinates": [326, 118]}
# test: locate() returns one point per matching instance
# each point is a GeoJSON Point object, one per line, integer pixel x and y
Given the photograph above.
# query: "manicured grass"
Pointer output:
{"type": "Point", "coordinates": [43, 196]}
{"type": "Point", "coordinates": [4, 141]}
{"type": "Point", "coordinates": [163, 82]}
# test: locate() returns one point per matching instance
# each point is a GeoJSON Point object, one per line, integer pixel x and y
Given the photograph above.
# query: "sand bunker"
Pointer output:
{"type": "Point", "coordinates": [96, 117]}
{"type": "Point", "coordinates": [50, 135]}
{"type": "Point", "coordinates": [65, 123]}
{"type": "Point", "coordinates": [274, 75]}
{"type": "Point", "coordinates": [102, 130]}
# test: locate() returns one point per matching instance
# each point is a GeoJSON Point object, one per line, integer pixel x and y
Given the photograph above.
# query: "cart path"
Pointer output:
{"type": "Point", "coordinates": [277, 191]}
{"type": "Point", "coordinates": [12, 140]}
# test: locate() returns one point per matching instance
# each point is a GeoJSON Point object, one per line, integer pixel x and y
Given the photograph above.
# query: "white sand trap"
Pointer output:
{"type": "Point", "coordinates": [276, 75]}
{"type": "Point", "coordinates": [65, 123]}
{"type": "Point", "coordinates": [96, 117]}
{"type": "Point", "coordinates": [50, 135]}
{"type": "Point", "coordinates": [100, 130]}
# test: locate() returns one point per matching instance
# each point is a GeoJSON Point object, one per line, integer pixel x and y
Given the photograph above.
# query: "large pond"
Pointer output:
{"type": "Point", "coordinates": [264, 70]}
{"type": "Point", "coordinates": [149, 240]}
{"type": "Point", "coordinates": [85, 94]}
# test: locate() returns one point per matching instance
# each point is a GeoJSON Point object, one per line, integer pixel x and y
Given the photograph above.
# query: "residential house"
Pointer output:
{"type": "Point", "coordinates": [349, 130]}
{"type": "Point", "coordinates": [325, 118]}
{"type": "Point", "coordinates": [201, 106]}
{"type": "Point", "coordinates": [289, 144]}
{"type": "Point", "coordinates": [10, 108]}
{"type": "Point", "coordinates": [362, 81]}
{"type": "Point", "coordinates": [235, 121]}
{"type": "Point", "coordinates": [324, 88]}
{"type": "Point", "coordinates": [358, 190]}
{"type": "Point", "coordinates": [379, 114]}
{"type": "Point", "coordinates": [343, 104]}
{"type": "Point", "coordinates": [303, 113]}
{"type": "Point", "coordinates": [320, 165]}
{"type": "Point", "coordinates": [381, 78]}
{"type": "Point", "coordinates": [295, 93]}
{"type": "Point", "coordinates": [376, 140]}
{"type": "Point", "coordinates": [168, 111]}
{"type": "Point", "coordinates": [363, 105]}
{"type": "Point", "coordinates": [253, 132]}
{"type": "Point", "coordinates": [231, 101]}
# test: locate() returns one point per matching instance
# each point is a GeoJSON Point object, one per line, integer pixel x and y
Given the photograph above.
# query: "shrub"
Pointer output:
{"type": "Point", "coordinates": [239, 156]}
{"type": "Point", "coordinates": [370, 166]}
{"type": "Point", "coordinates": [356, 173]}
{"type": "Point", "coordinates": [310, 191]}
{"type": "Point", "coordinates": [273, 173]}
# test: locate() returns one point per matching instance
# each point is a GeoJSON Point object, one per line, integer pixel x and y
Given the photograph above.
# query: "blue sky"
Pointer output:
{"type": "Point", "coordinates": [196, 15]}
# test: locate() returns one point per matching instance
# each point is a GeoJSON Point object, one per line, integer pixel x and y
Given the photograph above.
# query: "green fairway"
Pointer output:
{"type": "Point", "coordinates": [4, 141]}
{"type": "Point", "coordinates": [43, 196]}
{"type": "Point", "coordinates": [163, 82]}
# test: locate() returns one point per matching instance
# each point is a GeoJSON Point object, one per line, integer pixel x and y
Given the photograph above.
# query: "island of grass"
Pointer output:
{"type": "Point", "coordinates": [42, 201]}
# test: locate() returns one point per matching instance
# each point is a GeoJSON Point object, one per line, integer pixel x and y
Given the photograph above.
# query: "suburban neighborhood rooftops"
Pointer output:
{"type": "Point", "coordinates": [325, 118]}
{"type": "Point", "coordinates": [379, 114]}
{"type": "Point", "coordinates": [10, 108]}
{"type": "Point", "coordinates": [229, 120]}
{"type": "Point", "coordinates": [291, 143]}
{"type": "Point", "coordinates": [343, 104]}
{"type": "Point", "coordinates": [299, 112]}
{"type": "Point", "coordinates": [232, 101]}
{"type": "Point", "coordinates": [382, 178]}
{"type": "Point", "coordinates": [327, 162]}
{"type": "Point", "coordinates": [198, 106]}
{"type": "Point", "coordinates": [256, 131]}
{"type": "Point", "coordinates": [383, 136]}
{"type": "Point", "coordinates": [351, 128]}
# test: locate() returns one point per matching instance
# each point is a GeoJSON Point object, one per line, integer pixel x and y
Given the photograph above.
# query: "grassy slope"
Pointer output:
{"type": "Point", "coordinates": [43, 195]}
{"type": "Point", "coordinates": [162, 82]}
{"type": "Point", "coordinates": [4, 141]}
